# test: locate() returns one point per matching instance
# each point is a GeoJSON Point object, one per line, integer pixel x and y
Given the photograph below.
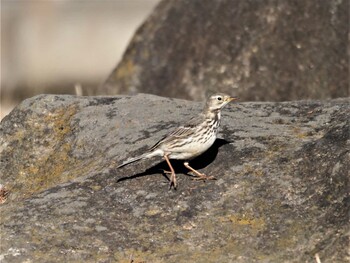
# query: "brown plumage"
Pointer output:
{"type": "Point", "coordinates": [190, 140]}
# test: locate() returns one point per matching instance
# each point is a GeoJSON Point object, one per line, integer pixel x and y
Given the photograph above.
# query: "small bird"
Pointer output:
{"type": "Point", "coordinates": [190, 140]}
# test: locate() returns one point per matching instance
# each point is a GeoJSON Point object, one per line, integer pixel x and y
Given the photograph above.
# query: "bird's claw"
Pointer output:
{"type": "Point", "coordinates": [172, 184]}
{"type": "Point", "coordinates": [172, 181]}
{"type": "Point", "coordinates": [203, 177]}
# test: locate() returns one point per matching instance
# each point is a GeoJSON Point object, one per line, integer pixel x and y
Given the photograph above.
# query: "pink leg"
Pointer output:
{"type": "Point", "coordinates": [200, 176]}
{"type": "Point", "coordinates": [172, 176]}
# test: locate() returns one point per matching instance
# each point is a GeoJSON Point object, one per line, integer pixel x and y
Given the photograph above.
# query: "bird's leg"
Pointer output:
{"type": "Point", "coordinates": [200, 176]}
{"type": "Point", "coordinates": [172, 176]}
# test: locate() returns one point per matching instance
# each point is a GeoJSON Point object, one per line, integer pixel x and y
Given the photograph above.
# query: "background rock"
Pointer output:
{"type": "Point", "coordinates": [40, 48]}
{"type": "Point", "coordinates": [281, 193]}
{"type": "Point", "coordinates": [257, 50]}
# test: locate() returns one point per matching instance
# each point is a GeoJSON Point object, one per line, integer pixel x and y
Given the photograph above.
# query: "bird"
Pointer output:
{"type": "Point", "coordinates": [190, 140]}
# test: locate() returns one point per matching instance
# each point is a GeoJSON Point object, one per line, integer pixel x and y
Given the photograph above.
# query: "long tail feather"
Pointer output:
{"type": "Point", "coordinates": [141, 157]}
{"type": "Point", "coordinates": [132, 160]}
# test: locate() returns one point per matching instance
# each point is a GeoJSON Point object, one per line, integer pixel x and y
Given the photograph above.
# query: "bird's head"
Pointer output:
{"type": "Point", "coordinates": [218, 101]}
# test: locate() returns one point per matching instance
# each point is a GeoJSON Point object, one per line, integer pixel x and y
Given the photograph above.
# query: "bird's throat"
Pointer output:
{"type": "Point", "coordinates": [214, 115]}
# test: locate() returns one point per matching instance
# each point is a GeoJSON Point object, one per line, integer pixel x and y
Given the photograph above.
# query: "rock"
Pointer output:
{"type": "Point", "coordinates": [256, 50]}
{"type": "Point", "coordinates": [281, 193]}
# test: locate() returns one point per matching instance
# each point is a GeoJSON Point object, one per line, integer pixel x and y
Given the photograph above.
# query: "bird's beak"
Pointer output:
{"type": "Point", "coordinates": [231, 99]}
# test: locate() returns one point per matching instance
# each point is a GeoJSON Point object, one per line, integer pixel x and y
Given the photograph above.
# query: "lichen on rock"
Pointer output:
{"type": "Point", "coordinates": [281, 193]}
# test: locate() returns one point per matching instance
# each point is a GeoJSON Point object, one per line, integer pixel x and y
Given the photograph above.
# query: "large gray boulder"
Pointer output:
{"type": "Point", "coordinates": [281, 193]}
{"type": "Point", "coordinates": [257, 50]}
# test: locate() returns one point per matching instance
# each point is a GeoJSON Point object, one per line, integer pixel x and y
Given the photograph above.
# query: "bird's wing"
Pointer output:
{"type": "Point", "coordinates": [180, 132]}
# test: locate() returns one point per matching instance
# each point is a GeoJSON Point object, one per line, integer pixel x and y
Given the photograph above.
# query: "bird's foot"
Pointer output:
{"type": "Point", "coordinates": [203, 177]}
{"type": "Point", "coordinates": [198, 176]}
{"type": "Point", "coordinates": [172, 181]}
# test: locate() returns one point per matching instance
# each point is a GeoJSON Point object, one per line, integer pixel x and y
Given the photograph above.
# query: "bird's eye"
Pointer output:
{"type": "Point", "coordinates": [219, 98]}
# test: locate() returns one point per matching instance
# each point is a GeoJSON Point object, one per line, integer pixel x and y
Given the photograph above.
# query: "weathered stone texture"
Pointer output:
{"type": "Point", "coordinates": [257, 50]}
{"type": "Point", "coordinates": [281, 193]}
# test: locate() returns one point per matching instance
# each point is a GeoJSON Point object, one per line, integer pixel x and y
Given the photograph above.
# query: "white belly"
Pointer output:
{"type": "Point", "coordinates": [192, 149]}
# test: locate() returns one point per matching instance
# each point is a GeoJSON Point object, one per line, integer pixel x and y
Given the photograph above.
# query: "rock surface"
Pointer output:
{"type": "Point", "coordinates": [281, 193]}
{"type": "Point", "coordinates": [257, 50]}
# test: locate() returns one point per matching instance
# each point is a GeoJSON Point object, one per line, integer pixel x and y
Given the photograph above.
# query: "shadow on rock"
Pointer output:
{"type": "Point", "coordinates": [198, 163]}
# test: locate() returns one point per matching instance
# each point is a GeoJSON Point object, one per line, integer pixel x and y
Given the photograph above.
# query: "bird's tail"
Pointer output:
{"type": "Point", "coordinates": [131, 160]}
{"type": "Point", "coordinates": [134, 159]}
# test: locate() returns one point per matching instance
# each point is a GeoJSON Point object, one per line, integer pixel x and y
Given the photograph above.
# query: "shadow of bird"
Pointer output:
{"type": "Point", "coordinates": [199, 162]}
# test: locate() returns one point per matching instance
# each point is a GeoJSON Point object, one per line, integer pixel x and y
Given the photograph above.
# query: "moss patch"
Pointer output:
{"type": "Point", "coordinates": [47, 142]}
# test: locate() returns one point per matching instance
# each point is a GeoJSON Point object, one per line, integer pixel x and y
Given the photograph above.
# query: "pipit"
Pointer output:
{"type": "Point", "coordinates": [190, 140]}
